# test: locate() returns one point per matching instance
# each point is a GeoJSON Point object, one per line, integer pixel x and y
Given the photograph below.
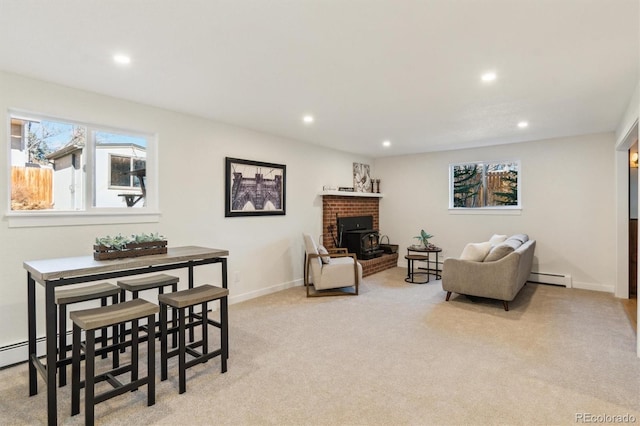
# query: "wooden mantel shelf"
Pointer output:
{"type": "Point", "coordinates": [352, 194]}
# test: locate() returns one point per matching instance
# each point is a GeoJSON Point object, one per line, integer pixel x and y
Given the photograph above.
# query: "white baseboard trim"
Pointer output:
{"type": "Point", "coordinates": [594, 286]}
{"type": "Point", "coordinates": [264, 291]}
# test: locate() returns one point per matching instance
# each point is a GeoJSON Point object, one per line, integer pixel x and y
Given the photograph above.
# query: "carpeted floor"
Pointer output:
{"type": "Point", "coordinates": [395, 354]}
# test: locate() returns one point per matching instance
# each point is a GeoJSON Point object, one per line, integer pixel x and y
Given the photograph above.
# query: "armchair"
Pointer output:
{"type": "Point", "coordinates": [336, 270]}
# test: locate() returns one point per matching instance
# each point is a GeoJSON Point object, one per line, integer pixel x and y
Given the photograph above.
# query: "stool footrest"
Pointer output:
{"type": "Point", "coordinates": [120, 390]}
{"type": "Point", "coordinates": [110, 375]}
{"type": "Point", "coordinates": [203, 358]}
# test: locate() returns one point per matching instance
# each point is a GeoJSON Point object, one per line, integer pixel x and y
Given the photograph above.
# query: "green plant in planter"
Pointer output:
{"type": "Point", "coordinates": [424, 238]}
{"type": "Point", "coordinates": [119, 242]}
{"type": "Point", "coordinates": [146, 238]}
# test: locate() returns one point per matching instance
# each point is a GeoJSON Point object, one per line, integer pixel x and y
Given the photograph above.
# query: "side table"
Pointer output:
{"type": "Point", "coordinates": [426, 252]}
{"type": "Point", "coordinates": [411, 270]}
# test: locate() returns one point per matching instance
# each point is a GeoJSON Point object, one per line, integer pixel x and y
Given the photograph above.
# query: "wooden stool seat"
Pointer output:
{"type": "Point", "coordinates": [146, 283]}
{"type": "Point", "coordinates": [136, 285]}
{"type": "Point", "coordinates": [67, 296]}
{"type": "Point", "coordinates": [85, 293]}
{"type": "Point", "coordinates": [92, 319]}
{"type": "Point", "coordinates": [182, 301]}
{"type": "Point", "coordinates": [89, 320]}
{"type": "Point", "coordinates": [193, 296]}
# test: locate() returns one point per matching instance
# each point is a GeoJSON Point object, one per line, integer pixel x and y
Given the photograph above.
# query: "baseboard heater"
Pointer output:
{"type": "Point", "coordinates": [17, 353]}
{"type": "Point", "coordinates": [549, 278]}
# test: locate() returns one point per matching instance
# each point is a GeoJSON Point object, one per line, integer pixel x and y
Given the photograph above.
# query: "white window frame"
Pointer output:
{"type": "Point", "coordinates": [91, 215]}
{"type": "Point", "coordinates": [487, 210]}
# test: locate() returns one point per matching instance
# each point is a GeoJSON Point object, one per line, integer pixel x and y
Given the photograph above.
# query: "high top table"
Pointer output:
{"type": "Point", "coordinates": [52, 273]}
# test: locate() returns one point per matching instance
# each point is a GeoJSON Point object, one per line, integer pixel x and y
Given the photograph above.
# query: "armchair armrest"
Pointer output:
{"type": "Point", "coordinates": [338, 250]}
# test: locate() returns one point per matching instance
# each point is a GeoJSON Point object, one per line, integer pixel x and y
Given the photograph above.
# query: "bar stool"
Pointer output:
{"type": "Point", "coordinates": [64, 297]}
{"type": "Point", "coordinates": [136, 285]}
{"type": "Point", "coordinates": [90, 320]}
{"type": "Point", "coordinates": [182, 300]}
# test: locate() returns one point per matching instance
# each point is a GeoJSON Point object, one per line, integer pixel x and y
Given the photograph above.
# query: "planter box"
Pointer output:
{"type": "Point", "coordinates": [130, 250]}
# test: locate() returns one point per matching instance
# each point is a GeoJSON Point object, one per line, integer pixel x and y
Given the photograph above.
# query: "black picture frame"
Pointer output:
{"type": "Point", "coordinates": [254, 188]}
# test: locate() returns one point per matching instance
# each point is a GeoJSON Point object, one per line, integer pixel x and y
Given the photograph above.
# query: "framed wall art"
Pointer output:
{"type": "Point", "coordinates": [254, 188]}
{"type": "Point", "coordinates": [494, 185]}
{"type": "Point", "coordinates": [362, 178]}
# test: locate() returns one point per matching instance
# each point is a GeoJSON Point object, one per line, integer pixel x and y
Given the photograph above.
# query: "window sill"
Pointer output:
{"type": "Point", "coordinates": [516, 211]}
{"type": "Point", "coordinates": [40, 219]}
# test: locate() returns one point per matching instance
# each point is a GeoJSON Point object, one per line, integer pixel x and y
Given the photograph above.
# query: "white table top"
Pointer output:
{"type": "Point", "coordinates": [51, 269]}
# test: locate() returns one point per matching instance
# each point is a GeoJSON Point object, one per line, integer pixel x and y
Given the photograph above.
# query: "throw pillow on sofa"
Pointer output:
{"type": "Point", "coordinates": [476, 252]}
{"type": "Point", "coordinates": [523, 238]}
{"type": "Point", "coordinates": [502, 250]}
{"type": "Point", "coordinates": [497, 239]}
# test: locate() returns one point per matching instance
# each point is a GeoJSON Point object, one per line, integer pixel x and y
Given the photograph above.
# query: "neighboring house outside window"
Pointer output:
{"type": "Point", "coordinates": [114, 164]}
{"type": "Point", "coordinates": [72, 167]}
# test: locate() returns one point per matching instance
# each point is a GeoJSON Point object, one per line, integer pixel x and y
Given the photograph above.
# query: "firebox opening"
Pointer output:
{"type": "Point", "coordinates": [357, 235]}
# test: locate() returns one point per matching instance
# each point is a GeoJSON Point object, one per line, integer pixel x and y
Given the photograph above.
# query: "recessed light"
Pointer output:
{"type": "Point", "coordinates": [307, 119]}
{"type": "Point", "coordinates": [386, 144]}
{"type": "Point", "coordinates": [489, 76]}
{"type": "Point", "coordinates": [122, 59]}
{"type": "Point", "coordinates": [523, 124]}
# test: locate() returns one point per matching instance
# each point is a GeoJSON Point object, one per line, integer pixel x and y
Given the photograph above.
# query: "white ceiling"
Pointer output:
{"type": "Point", "coordinates": [367, 70]}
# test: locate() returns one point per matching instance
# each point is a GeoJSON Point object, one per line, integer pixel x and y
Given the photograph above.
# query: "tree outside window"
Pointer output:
{"type": "Point", "coordinates": [481, 185]}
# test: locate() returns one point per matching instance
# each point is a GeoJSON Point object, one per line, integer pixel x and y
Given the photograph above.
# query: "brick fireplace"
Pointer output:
{"type": "Point", "coordinates": [354, 205]}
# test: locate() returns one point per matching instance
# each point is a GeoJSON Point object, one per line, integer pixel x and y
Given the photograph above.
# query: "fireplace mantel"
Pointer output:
{"type": "Point", "coordinates": [352, 194]}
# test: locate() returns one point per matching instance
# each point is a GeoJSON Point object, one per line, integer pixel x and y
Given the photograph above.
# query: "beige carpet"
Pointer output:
{"type": "Point", "coordinates": [396, 354]}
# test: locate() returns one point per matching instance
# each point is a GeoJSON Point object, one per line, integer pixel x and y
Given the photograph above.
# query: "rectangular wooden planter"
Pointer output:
{"type": "Point", "coordinates": [130, 250]}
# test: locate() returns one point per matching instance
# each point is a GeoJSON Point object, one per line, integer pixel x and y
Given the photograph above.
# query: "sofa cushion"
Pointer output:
{"type": "Point", "coordinates": [523, 238]}
{"type": "Point", "coordinates": [497, 239]}
{"type": "Point", "coordinates": [476, 252]}
{"type": "Point", "coordinates": [322, 250]}
{"type": "Point", "coordinates": [502, 250]}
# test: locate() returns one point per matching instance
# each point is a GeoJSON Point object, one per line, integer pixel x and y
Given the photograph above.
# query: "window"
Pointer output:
{"type": "Point", "coordinates": [59, 166]}
{"type": "Point", "coordinates": [494, 185]}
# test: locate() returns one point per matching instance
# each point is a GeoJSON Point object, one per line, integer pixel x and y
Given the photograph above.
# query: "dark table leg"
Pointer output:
{"type": "Point", "coordinates": [51, 325]}
{"type": "Point", "coordinates": [31, 309]}
{"type": "Point", "coordinates": [191, 331]}
{"type": "Point", "coordinates": [225, 331]}
{"type": "Point", "coordinates": [224, 272]}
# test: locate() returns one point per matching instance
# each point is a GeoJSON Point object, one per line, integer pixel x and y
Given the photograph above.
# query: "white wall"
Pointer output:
{"type": "Point", "coordinates": [265, 252]}
{"type": "Point", "coordinates": [567, 194]}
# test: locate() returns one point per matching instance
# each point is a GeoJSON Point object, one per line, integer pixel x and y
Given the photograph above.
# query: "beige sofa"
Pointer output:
{"type": "Point", "coordinates": [500, 275]}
